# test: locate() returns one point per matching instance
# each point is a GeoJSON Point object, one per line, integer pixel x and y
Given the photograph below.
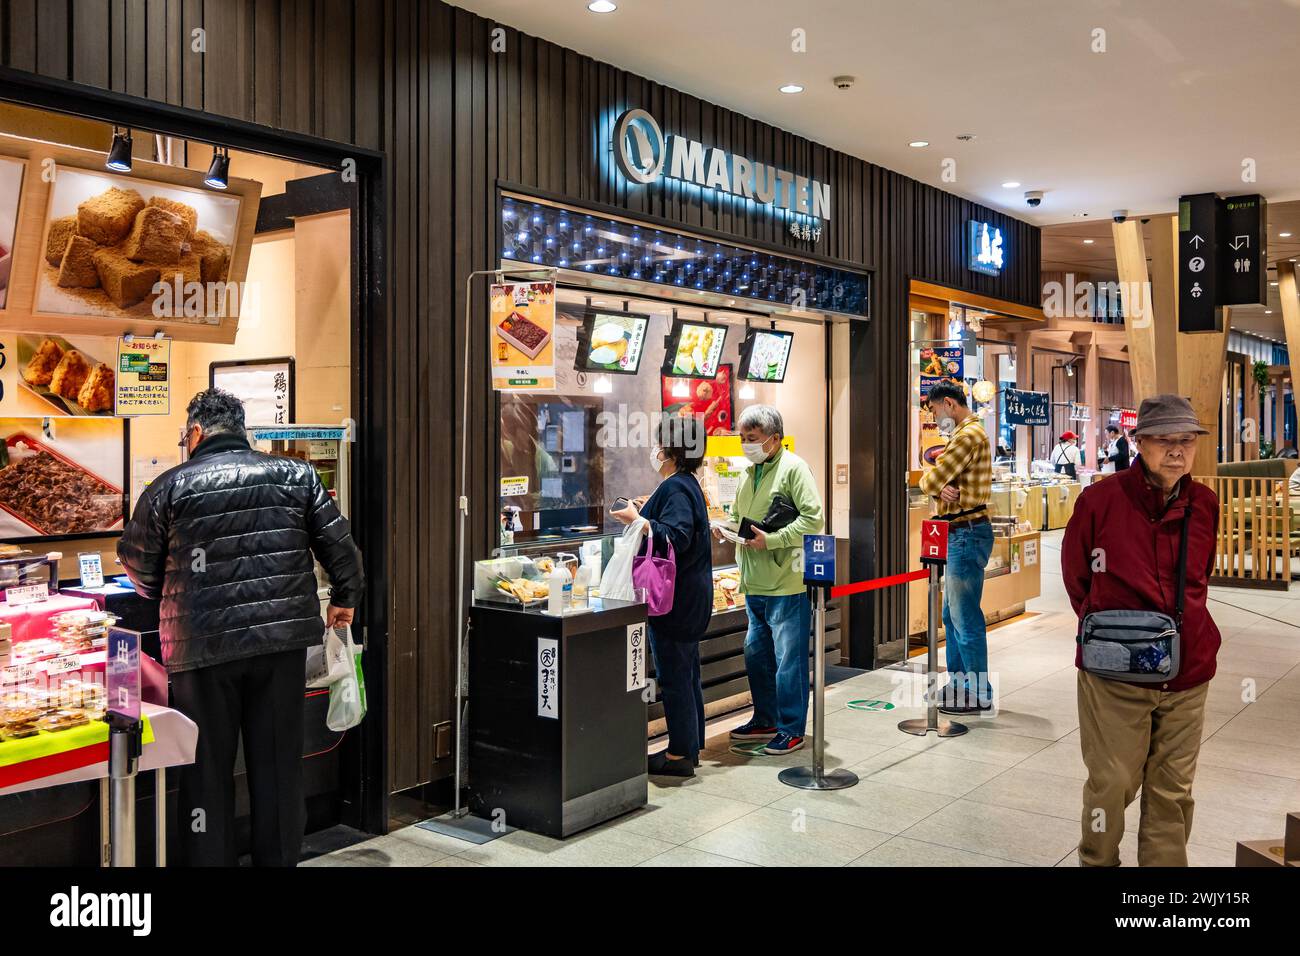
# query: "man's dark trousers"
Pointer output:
{"type": "Point", "coordinates": [262, 697]}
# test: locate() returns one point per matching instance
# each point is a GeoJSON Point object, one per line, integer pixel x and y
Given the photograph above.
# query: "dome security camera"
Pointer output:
{"type": "Point", "coordinates": [845, 82]}
{"type": "Point", "coordinates": [1119, 215]}
{"type": "Point", "coordinates": [1034, 197]}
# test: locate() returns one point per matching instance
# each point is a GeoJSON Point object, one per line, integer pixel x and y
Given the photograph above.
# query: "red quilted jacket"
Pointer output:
{"type": "Point", "coordinates": [1126, 518]}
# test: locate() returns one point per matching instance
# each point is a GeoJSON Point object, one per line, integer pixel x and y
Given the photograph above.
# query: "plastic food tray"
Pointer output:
{"type": "Point", "coordinates": [533, 351]}
{"type": "Point", "coordinates": [22, 438]}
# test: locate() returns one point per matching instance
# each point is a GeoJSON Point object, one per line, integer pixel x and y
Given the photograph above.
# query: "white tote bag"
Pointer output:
{"type": "Point", "coordinates": [616, 578]}
{"type": "Point", "coordinates": [328, 663]}
{"type": "Point", "coordinates": [348, 696]}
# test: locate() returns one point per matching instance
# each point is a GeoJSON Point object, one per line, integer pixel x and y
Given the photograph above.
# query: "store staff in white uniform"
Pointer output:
{"type": "Point", "coordinates": [1066, 457]}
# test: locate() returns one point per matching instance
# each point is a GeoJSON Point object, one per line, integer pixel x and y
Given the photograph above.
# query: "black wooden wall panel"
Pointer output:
{"type": "Point", "coordinates": [420, 81]}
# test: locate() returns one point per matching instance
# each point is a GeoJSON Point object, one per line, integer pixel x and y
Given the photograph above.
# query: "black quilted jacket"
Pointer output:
{"type": "Point", "coordinates": [226, 540]}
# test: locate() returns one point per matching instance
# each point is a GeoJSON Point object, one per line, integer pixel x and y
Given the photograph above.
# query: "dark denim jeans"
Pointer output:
{"type": "Point", "coordinates": [677, 672]}
{"type": "Point", "coordinates": [776, 659]}
{"type": "Point", "coordinates": [965, 637]}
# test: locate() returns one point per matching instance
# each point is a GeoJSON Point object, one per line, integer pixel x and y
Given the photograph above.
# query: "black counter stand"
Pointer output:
{"type": "Point", "coordinates": [557, 717]}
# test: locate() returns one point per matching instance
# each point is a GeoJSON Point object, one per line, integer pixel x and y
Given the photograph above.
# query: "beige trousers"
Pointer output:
{"type": "Point", "coordinates": [1138, 738]}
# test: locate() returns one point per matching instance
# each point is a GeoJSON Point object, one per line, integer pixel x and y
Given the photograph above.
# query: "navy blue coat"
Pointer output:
{"type": "Point", "coordinates": [677, 512]}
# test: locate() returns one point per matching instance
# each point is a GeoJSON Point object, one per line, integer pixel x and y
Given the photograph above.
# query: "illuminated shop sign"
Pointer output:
{"type": "Point", "coordinates": [644, 155]}
{"type": "Point", "coordinates": [984, 250]}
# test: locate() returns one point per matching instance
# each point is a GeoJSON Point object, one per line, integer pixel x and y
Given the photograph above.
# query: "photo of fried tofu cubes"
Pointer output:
{"type": "Point", "coordinates": [123, 280]}
{"type": "Point", "coordinates": [157, 236]}
{"type": "Point", "coordinates": [77, 268]}
{"type": "Point", "coordinates": [108, 217]}
{"type": "Point", "coordinates": [61, 230]}
{"type": "Point", "coordinates": [126, 246]}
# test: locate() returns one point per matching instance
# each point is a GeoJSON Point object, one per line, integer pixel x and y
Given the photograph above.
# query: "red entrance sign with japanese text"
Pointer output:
{"type": "Point", "coordinates": [934, 541]}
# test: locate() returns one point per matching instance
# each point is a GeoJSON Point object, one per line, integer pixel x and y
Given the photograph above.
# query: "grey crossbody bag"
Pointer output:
{"type": "Point", "coordinates": [1142, 647]}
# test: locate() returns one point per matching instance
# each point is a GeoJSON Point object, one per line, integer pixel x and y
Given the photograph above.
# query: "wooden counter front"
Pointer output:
{"type": "Point", "coordinates": [1005, 594]}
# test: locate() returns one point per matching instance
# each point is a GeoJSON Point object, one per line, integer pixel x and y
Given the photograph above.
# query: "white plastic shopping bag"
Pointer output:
{"type": "Point", "coordinates": [348, 696]}
{"type": "Point", "coordinates": [616, 578]}
{"type": "Point", "coordinates": [328, 662]}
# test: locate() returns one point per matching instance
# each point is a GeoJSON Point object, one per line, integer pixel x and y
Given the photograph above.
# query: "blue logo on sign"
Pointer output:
{"type": "Point", "coordinates": [819, 559]}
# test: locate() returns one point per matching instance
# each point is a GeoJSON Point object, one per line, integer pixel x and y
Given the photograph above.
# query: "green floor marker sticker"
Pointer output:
{"type": "Point", "coordinates": [878, 706]}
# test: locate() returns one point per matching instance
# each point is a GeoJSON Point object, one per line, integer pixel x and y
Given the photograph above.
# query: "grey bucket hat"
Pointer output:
{"type": "Point", "coordinates": [1167, 415]}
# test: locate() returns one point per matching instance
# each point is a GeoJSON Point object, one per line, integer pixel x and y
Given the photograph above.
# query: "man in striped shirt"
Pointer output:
{"type": "Point", "coordinates": [960, 482]}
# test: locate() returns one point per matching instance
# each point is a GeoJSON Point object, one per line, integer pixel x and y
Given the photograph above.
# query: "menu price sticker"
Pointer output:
{"type": "Point", "coordinates": [143, 384]}
{"type": "Point", "coordinates": [27, 594]}
{"type": "Point", "coordinates": [63, 665]}
{"type": "Point", "coordinates": [17, 674]}
{"type": "Point", "coordinates": [92, 569]}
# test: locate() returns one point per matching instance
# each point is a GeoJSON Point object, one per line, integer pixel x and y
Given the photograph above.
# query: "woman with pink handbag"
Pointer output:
{"type": "Point", "coordinates": [676, 569]}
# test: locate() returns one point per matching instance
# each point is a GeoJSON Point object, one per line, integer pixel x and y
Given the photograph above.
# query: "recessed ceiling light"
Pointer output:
{"type": "Point", "coordinates": [1272, 283]}
{"type": "Point", "coordinates": [1010, 185]}
{"type": "Point", "coordinates": [792, 88]}
{"type": "Point", "coordinates": [918, 143]}
{"type": "Point", "coordinates": [1268, 311]}
{"type": "Point", "coordinates": [1087, 242]}
{"type": "Point", "coordinates": [602, 6]}
{"type": "Point", "coordinates": [1285, 235]}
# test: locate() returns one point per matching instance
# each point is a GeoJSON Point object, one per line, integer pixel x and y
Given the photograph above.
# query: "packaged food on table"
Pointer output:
{"type": "Point", "coordinates": [82, 630]}
{"type": "Point", "coordinates": [18, 731]}
{"type": "Point", "coordinates": [57, 720]}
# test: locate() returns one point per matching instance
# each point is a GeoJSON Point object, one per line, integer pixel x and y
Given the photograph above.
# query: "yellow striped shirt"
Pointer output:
{"type": "Point", "coordinates": [965, 462]}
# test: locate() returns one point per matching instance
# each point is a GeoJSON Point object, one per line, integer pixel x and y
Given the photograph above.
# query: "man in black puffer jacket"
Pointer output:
{"type": "Point", "coordinates": [226, 541]}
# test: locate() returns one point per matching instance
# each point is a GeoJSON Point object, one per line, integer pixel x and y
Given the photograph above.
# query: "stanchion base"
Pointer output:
{"type": "Point", "coordinates": [920, 727]}
{"type": "Point", "coordinates": [805, 778]}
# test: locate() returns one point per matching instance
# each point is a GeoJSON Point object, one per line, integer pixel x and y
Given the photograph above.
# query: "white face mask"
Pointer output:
{"type": "Point", "coordinates": [754, 451]}
{"type": "Point", "coordinates": [656, 464]}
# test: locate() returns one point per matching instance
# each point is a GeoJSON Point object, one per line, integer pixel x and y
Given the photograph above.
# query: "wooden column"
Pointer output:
{"type": "Point", "coordinates": [1200, 359]}
{"type": "Point", "coordinates": [1092, 398]}
{"type": "Point", "coordinates": [1024, 380]}
{"type": "Point", "coordinates": [1131, 263]}
{"type": "Point", "coordinates": [1286, 292]}
{"type": "Point", "coordinates": [1166, 338]}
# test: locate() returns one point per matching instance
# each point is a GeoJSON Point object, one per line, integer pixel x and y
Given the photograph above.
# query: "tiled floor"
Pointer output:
{"type": "Point", "coordinates": [1006, 794]}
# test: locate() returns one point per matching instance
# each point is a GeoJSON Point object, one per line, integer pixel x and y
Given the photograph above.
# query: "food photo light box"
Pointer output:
{"type": "Point", "coordinates": [694, 349]}
{"type": "Point", "coordinates": [611, 341]}
{"type": "Point", "coordinates": [764, 355]}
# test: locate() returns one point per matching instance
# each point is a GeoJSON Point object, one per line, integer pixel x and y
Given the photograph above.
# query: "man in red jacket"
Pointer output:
{"type": "Point", "coordinates": [1120, 552]}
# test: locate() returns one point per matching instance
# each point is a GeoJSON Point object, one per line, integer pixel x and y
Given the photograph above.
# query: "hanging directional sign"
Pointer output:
{"type": "Point", "coordinates": [1243, 251]}
{"type": "Point", "coordinates": [1198, 263]}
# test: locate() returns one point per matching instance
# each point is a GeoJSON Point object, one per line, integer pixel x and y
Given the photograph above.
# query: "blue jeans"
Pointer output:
{"type": "Point", "coordinates": [776, 659]}
{"type": "Point", "coordinates": [966, 640]}
{"type": "Point", "coordinates": [677, 671]}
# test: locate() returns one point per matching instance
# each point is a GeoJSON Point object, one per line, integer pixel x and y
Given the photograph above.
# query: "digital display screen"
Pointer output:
{"type": "Point", "coordinates": [764, 355]}
{"type": "Point", "coordinates": [694, 350]}
{"type": "Point", "coordinates": [612, 342]}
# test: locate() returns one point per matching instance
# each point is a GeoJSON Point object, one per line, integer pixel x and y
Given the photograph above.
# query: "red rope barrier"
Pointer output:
{"type": "Point", "coordinates": [843, 590]}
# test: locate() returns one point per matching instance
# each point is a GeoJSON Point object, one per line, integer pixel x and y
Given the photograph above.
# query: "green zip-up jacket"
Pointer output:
{"type": "Point", "coordinates": [775, 571]}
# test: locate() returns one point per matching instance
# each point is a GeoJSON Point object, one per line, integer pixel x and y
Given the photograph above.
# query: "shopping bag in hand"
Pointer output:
{"type": "Point", "coordinates": [328, 662]}
{"type": "Point", "coordinates": [348, 696]}
{"type": "Point", "coordinates": [616, 578]}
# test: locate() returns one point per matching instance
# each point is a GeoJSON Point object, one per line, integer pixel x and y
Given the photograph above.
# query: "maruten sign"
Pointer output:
{"type": "Point", "coordinates": [643, 155]}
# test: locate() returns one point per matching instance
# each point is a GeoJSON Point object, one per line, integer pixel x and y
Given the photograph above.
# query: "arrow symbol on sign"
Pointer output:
{"type": "Point", "coordinates": [1196, 241]}
{"type": "Point", "coordinates": [1237, 242]}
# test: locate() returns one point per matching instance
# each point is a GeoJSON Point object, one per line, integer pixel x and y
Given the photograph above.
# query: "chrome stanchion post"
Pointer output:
{"type": "Point", "coordinates": [815, 777]}
{"type": "Point", "coordinates": [160, 817]}
{"type": "Point", "coordinates": [124, 744]}
{"type": "Point", "coordinates": [937, 557]}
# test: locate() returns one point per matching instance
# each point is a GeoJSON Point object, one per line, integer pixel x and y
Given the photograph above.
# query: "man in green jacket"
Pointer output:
{"type": "Point", "coordinates": [771, 578]}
